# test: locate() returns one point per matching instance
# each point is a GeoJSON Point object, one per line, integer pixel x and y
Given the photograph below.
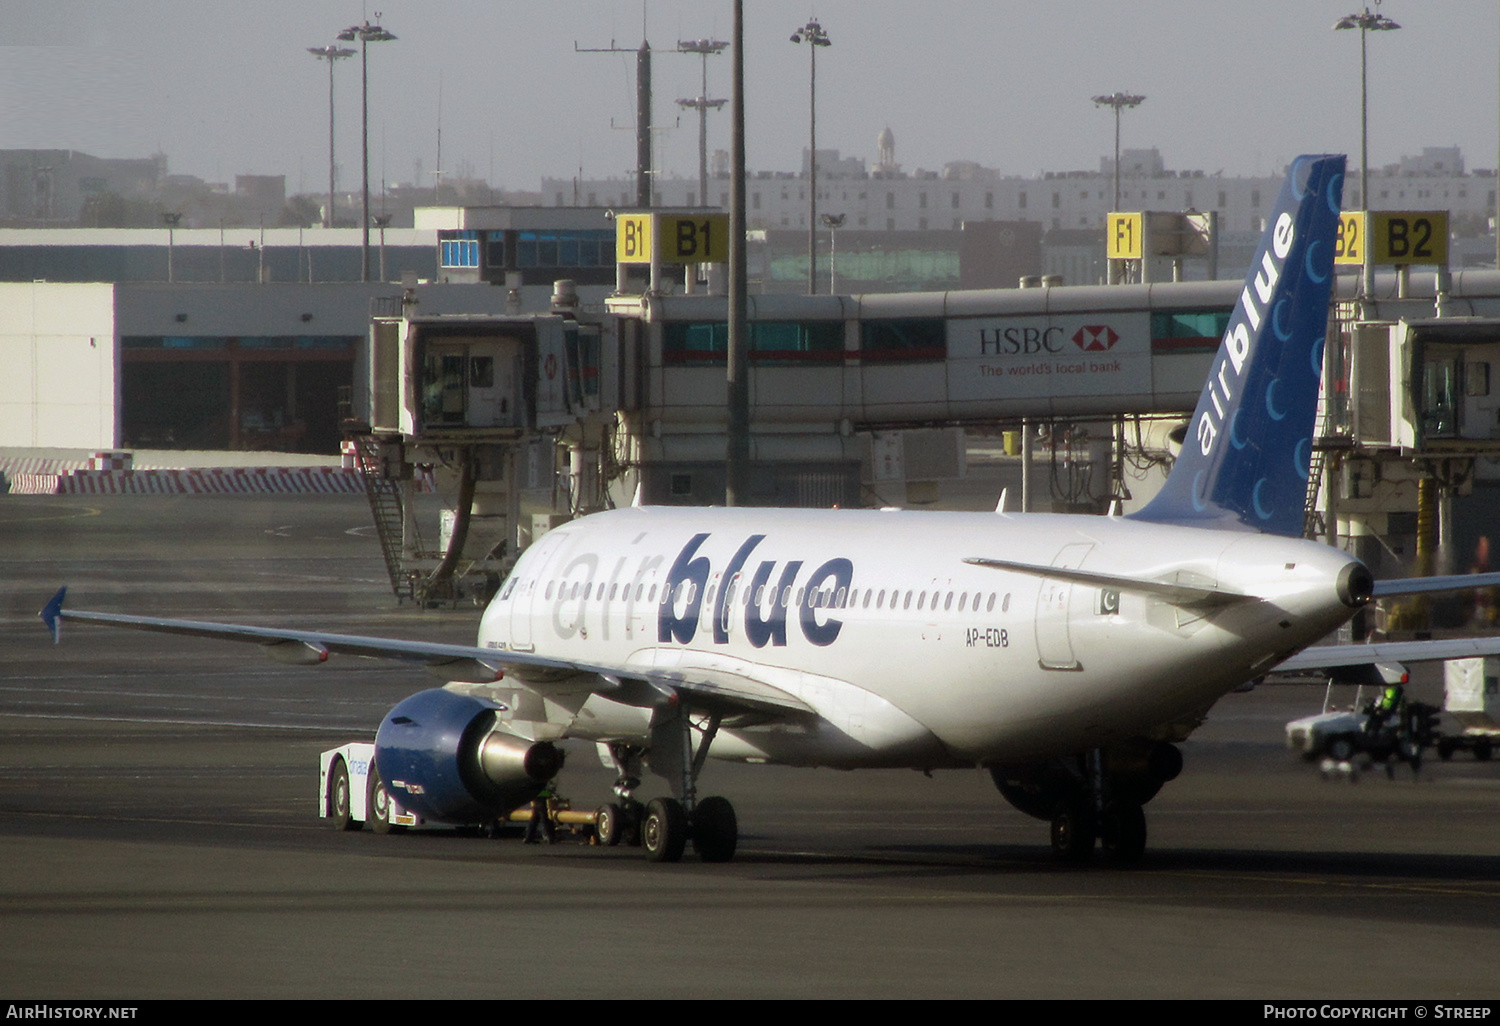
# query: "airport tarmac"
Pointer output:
{"type": "Point", "coordinates": [159, 833]}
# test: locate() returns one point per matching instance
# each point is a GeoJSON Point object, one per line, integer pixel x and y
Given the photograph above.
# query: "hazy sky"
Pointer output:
{"type": "Point", "coordinates": [225, 88]}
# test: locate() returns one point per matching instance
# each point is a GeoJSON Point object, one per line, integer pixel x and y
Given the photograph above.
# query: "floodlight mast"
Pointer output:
{"type": "Point", "coordinates": [1366, 21]}
{"type": "Point", "coordinates": [704, 48]}
{"type": "Point", "coordinates": [330, 54]}
{"type": "Point", "coordinates": [813, 34]}
{"type": "Point", "coordinates": [366, 33]}
{"type": "Point", "coordinates": [1119, 101]}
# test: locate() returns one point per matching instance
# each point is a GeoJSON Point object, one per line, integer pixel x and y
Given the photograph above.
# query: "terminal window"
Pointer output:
{"type": "Point", "coordinates": [1188, 329]}
{"type": "Point", "coordinates": [460, 249]}
{"type": "Point", "coordinates": [771, 342]}
{"type": "Point", "coordinates": [909, 340]}
{"type": "Point", "coordinates": [583, 248]}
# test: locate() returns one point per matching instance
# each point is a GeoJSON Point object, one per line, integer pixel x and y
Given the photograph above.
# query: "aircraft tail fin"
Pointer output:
{"type": "Point", "coordinates": [1245, 461]}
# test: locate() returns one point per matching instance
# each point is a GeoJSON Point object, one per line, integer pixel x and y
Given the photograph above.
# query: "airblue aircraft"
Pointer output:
{"type": "Point", "coordinates": [1067, 655]}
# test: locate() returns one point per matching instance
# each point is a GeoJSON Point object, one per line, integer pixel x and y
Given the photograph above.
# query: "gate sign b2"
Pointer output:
{"type": "Point", "coordinates": [673, 238]}
{"type": "Point", "coordinates": [1393, 237]}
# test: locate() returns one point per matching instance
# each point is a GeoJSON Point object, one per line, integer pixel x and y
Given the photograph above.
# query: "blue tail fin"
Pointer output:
{"type": "Point", "coordinates": [1244, 463]}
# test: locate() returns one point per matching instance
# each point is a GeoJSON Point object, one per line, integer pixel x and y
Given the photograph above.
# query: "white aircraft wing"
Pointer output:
{"type": "Point", "coordinates": [1332, 656]}
{"type": "Point", "coordinates": [714, 690]}
{"type": "Point", "coordinates": [1420, 585]}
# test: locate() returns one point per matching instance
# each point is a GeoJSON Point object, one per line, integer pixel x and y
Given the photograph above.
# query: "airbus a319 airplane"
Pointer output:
{"type": "Point", "coordinates": [1065, 654]}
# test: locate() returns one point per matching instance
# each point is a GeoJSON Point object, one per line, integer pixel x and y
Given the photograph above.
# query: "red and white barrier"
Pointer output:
{"type": "Point", "coordinates": [205, 481]}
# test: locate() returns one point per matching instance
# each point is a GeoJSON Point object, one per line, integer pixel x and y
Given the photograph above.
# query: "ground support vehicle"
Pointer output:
{"type": "Point", "coordinates": [351, 793]}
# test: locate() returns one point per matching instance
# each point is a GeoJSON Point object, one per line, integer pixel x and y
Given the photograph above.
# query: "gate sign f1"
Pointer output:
{"type": "Point", "coordinates": [674, 238]}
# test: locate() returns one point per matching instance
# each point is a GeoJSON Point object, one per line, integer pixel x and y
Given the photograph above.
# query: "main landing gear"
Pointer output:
{"type": "Point", "coordinates": [664, 826]}
{"type": "Point", "coordinates": [1095, 798]}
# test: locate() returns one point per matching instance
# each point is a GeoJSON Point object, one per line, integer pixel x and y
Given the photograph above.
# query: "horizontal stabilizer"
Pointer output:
{"type": "Point", "coordinates": [1173, 591]}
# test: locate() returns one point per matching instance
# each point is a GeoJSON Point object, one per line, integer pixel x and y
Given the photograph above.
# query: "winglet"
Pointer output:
{"type": "Point", "coordinates": [51, 613]}
{"type": "Point", "coordinates": [1245, 462]}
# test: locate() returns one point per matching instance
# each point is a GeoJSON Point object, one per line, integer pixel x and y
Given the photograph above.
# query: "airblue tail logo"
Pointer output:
{"type": "Point", "coordinates": [1244, 463]}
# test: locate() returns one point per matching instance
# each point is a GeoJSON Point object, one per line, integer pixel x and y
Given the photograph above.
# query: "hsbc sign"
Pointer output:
{"type": "Point", "coordinates": [1031, 341]}
{"type": "Point", "coordinates": [1050, 358]}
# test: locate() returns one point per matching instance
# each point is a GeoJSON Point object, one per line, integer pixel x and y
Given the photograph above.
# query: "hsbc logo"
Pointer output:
{"type": "Point", "coordinates": [1095, 338]}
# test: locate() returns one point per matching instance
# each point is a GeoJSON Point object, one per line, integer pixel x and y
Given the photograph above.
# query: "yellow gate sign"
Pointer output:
{"type": "Point", "coordinates": [1409, 236]}
{"type": "Point", "coordinates": [1124, 236]}
{"type": "Point", "coordinates": [674, 238]}
{"type": "Point", "coordinates": [633, 238]}
{"type": "Point", "coordinates": [1349, 245]}
{"type": "Point", "coordinates": [1393, 237]}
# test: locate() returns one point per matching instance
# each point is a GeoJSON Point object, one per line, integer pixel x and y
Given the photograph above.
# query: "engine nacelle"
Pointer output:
{"type": "Point", "coordinates": [442, 757]}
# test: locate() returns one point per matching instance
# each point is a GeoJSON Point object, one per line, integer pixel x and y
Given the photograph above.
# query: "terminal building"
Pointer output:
{"type": "Point", "coordinates": [505, 348]}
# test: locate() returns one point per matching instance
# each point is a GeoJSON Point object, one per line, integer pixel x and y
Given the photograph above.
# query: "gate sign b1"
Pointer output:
{"type": "Point", "coordinates": [674, 238]}
{"type": "Point", "coordinates": [1393, 237]}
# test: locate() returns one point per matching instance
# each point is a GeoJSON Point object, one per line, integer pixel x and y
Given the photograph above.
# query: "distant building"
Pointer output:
{"type": "Point", "coordinates": [884, 198]}
{"type": "Point", "coordinates": [43, 188]}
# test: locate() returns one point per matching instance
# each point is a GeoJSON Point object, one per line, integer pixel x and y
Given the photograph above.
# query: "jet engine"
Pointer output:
{"type": "Point", "coordinates": [443, 757]}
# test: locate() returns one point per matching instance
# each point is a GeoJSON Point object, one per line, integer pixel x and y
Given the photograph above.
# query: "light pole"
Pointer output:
{"type": "Point", "coordinates": [833, 222]}
{"type": "Point", "coordinates": [171, 219]}
{"type": "Point", "coordinates": [366, 33]}
{"type": "Point", "coordinates": [382, 221]}
{"type": "Point", "coordinates": [704, 48]}
{"type": "Point", "coordinates": [330, 54]}
{"type": "Point", "coordinates": [1366, 22]}
{"type": "Point", "coordinates": [812, 33]}
{"type": "Point", "coordinates": [1119, 101]}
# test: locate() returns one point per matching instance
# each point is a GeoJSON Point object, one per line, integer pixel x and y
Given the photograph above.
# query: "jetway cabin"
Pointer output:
{"type": "Point", "coordinates": [1426, 384]}
{"type": "Point", "coordinates": [470, 378]}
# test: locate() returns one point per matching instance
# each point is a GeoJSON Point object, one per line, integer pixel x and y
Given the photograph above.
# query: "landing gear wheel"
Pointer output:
{"type": "Point", "coordinates": [1445, 750]}
{"type": "Point", "coordinates": [716, 830]}
{"type": "Point", "coordinates": [664, 830]}
{"type": "Point", "coordinates": [1482, 751]}
{"type": "Point", "coordinates": [338, 798]}
{"type": "Point", "coordinates": [1341, 748]}
{"type": "Point", "coordinates": [380, 805]}
{"type": "Point", "coordinates": [1122, 834]}
{"type": "Point", "coordinates": [1073, 831]}
{"type": "Point", "coordinates": [608, 826]}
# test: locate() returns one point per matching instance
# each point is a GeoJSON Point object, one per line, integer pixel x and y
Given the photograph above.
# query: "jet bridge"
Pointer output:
{"type": "Point", "coordinates": [478, 403]}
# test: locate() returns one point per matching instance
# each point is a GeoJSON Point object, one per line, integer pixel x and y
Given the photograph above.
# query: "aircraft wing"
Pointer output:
{"type": "Point", "coordinates": [1321, 657]}
{"type": "Point", "coordinates": [715, 690]}
{"type": "Point", "coordinates": [1420, 585]}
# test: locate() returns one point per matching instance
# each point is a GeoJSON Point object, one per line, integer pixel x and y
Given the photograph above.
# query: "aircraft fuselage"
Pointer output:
{"type": "Point", "coordinates": [909, 655]}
